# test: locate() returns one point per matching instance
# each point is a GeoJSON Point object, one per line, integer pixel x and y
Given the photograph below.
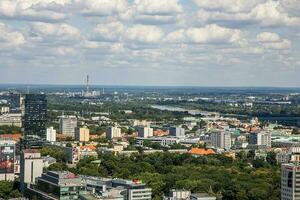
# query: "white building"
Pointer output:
{"type": "Point", "coordinates": [290, 182]}
{"type": "Point", "coordinates": [113, 132]}
{"type": "Point", "coordinates": [11, 119]}
{"type": "Point", "coordinates": [31, 167]}
{"type": "Point", "coordinates": [4, 109]}
{"type": "Point", "coordinates": [177, 132]}
{"type": "Point", "coordinates": [67, 125]}
{"type": "Point", "coordinates": [82, 134]}
{"type": "Point", "coordinates": [163, 141]}
{"type": "Point", "coordinates": [260, 139]}
{"type": "Point", "coordinates": [145, 132]}
{"type": "Point", "coordinates": [221, 140]}
{"type": "Point", "coordinates": [51, 134]}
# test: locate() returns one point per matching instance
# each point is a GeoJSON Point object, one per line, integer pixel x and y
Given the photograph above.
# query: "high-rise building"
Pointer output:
{"type": "Point", "coordinates": [260, 139]}
{"type": "Point", "coordinates": [113, 132]}
{"type": "Point", "coordinates": [145, 132]}
{"type": "Point", "coordinates": [7, 159]}
{"type": "Point", "coordinates": [82, 134]}
{"type": "Point", "coordinates": [34, 120]}
{"type": "Point", "coordinates": [31, 167]}
{"type": "Point", "coordinates": [221, 139]}
{"type": "Point", "coordinates": [67, 125]}
{"type": "Point", "coordinates": [51, 134]}
{"type": "Point", "coordinates": [177, 132]}
{"type": "Point", "coordinates": [290, 181]}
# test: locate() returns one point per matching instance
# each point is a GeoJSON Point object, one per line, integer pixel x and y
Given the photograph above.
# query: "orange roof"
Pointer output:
{"type": "Point", "coordinates": [88, 147]}
{"type": "Point", "coordinates": [15, 137]}
{"type": "Point", "coordinates": [199, 151]}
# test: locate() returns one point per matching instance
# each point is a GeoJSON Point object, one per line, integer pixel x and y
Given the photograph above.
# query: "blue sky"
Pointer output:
{"type": "Point", "coordinates": [151, 42]}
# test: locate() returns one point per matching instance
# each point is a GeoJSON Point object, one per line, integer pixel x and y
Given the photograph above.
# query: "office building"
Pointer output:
{"type": "Point", "coordinates": [221, 139]}
{"type": "Point", "coordinates": [67, 125]}
{"type": "Point", "coordinates": [163, 141]}
{"type": "Point", "coordinates": [178, 195]}
{"type": "Point", "coordinates": [145, 132]}
{"type": "Point", "coordinates": [135, 189]}
{"type": "Point", "coordinates": [177, 132]}
{"type": "Point", "coordinates": [113, 132]}
{"type": "Point", "coordinates": [51, 134]}
{"type": "Point", "coordinates": [7, 160]}
{"type": "Point", "coordinates": [290, 181]}
{"type": "Point", "coordinates": [31, 167]}
{"type": "Point", "coordinates": [34, 121]}
{"type": "Point", "coordinates": [56, 185]}
{"type": "Point", "coordinates": [82, 134]}
{"type": "Point", "coordinates": [260, 139]}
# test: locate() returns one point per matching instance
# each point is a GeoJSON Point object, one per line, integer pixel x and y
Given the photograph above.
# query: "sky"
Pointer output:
{"type": "Point", "coordinates": [151, 42]}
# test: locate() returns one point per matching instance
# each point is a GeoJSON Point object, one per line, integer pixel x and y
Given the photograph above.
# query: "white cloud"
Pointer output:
{"type": "Point", "coordinates": [35, 10]}
{"type": "Point", "coordinates": [101, 7]}
{"type": "Point", "coordinates": [58, 31]}
{"type": "Point", "coordinates": [210, 34]}
{"type": "Point", "coordinates": [144, 34]}
{"type": "Point", "coordinates": [268, 37]}
{"type": "Point", "coordinates": [111, 31]}
{"type": "Point", "coordinates": [228, 5]}
{"type": "Point", "coordinates": [265, 14]}
{"type": "Point", "coordinates": [158, 7]}
{"type": "Point", "coordinates": [10, 38]}
{"type": "Point", "coordinates": [281, 45]}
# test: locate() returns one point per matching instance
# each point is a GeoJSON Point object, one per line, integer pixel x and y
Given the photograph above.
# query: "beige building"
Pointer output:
{"type": "Point", "coordinates": [82, 134]}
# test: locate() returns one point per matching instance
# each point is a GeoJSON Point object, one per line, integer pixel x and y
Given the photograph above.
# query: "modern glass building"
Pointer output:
{"type": "Point", "coordinates": [34, 120]}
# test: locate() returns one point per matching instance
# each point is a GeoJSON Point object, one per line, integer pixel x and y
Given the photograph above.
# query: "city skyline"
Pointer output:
{"type": "Point", "coordinates": [151, 42]}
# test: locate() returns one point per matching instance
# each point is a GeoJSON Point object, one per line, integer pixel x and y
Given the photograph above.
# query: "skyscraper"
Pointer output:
{"type": "Point", "coordinates": [290, 181]}
{"type": "Point", "coordinates": [34, 120]}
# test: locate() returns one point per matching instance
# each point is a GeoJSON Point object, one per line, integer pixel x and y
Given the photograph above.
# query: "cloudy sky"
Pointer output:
{"type": "Point", "coordinates": [151, 42]}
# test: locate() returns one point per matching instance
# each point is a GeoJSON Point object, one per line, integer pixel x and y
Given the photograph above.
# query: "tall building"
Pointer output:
{"type": "Point", "coordinates": [31, 167]}
{"type": "Point", "coordinates": [67, 125]}
{"type": "Point", "coordinates": [51, 134]}
{"type": "Point", "coordinates": [177, 132]}
{"type": "Point", "coordinates": [7, 159]}
{"type": "Point", "coordinates": [290, 181]}
{"type": "Point", "coordinates": [113, 132]}
{"type": "Point", "coordinates": [82, 134]}
{"type": "Point", "coordinates": [56, 185]}
{"type": "Point", "coordinates": [260, 139]}
{"type": "Point", "coordinates": [34, 120]}
{"type": "Point", "coordinates": [221, 139]}
{"type": "Point", "coordinates": [145, 132]}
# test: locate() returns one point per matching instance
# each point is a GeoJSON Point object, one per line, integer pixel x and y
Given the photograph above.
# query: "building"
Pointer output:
{"type": "Point", "coordinates": [145, 131]}
{"type": "Point", "coordinates": [31, 167]}
{"type": "Point", "coordinates": [221, 140]}
{"type": "Point", "coordinates": [51, 134]}
{"type": "Point", "coordinates": [11, 119]}
{"type": "Point", "coordinates": [34, 121]}
{"type": "Point", "coordinates": [202, 196]}
{"type": "Point", "coordinates": [67, 125]}
{"type": "Point", "coordinates": [177, 132]}
{"type": "Point", "coordinates": [82, 134]}
{"type": "Point", "coordinates": [135, 190]}
{"type": "Point", "coordinates": [290, 181]}
{"type": "Point", "coordinates": [178, 195]}
{"type": "Point", "coordinates": [56, 185]}
{"type": "Point", "coordinates": [113, 132]}
{"type": "Point", "coordinates": [7, 160]}
{"type": "Point", "coordinates": [4, 110]}
{"type": "Point", "coordinates": [260, 139]}
{"type": "Point", "coordinates": [163, 141]}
